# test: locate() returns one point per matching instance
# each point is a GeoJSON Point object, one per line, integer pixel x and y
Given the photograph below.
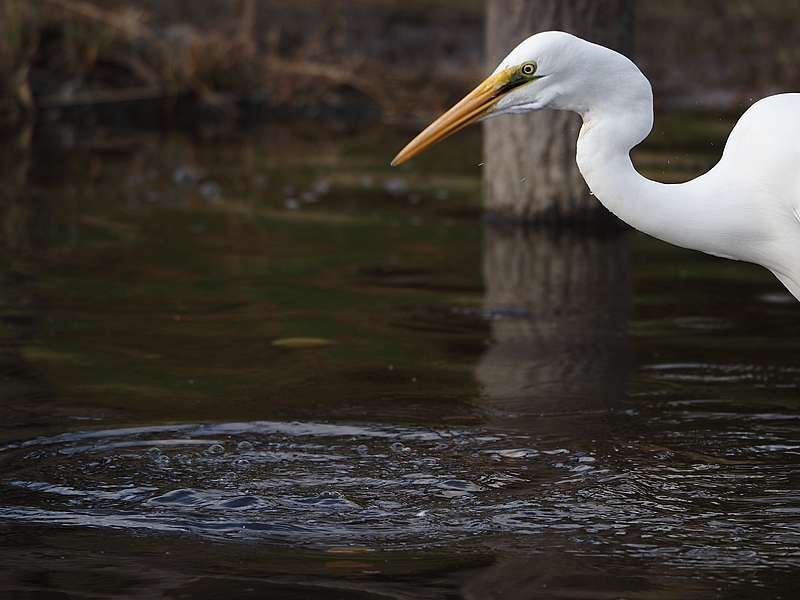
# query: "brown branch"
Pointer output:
{"type": "Point", "coordinates": [130, 22]}
{"type": "Point", "coordinates": [333, 73]}
{"type": "Point", "coordinates": [131, 94]}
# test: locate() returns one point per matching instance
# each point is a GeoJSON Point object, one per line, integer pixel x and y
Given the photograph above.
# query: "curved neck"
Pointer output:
{"type": "Point", "coordinates": [603, 156]}
{"type": "Point", "coordinates": [665, 211]}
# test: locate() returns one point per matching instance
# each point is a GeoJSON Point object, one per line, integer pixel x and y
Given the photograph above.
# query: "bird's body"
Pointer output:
{"type": "Point", "coordinates": [747, 207]}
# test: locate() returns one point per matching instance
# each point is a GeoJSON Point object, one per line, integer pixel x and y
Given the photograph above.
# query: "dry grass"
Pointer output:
{"type": "Point", "coordinates": [18, 41]}
{"type": "Point", "coordinates": [99, 47]}
{"type": "Point", "coordinates": [85, 53]}
{"type": "Point", "coordinates": [390, 57]}
{"type": "Point", "coordinates": [291, 57]}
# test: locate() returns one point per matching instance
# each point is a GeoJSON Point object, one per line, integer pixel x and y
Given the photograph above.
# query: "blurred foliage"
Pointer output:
{"type": "Point", "coordinates": [718, 53]}
{"type": "Point", "coordinates": [18, 41]}
{"type": "Point", "coordinates": [92, 53]}
{"type": "Point", "coordinates": [354, 60]}
{"type": "Point", "coordinates": [291, 58]}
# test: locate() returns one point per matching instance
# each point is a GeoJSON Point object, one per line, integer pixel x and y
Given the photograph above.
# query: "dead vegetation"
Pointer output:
{"type": "Point", "coordinates": [91, 54]}
{"type": "Point", "coordinates": [18, 43]}
{"type": "Point", "coordinates": [350, 59]}
{"type": "Point", "coordinates": [297, 58]}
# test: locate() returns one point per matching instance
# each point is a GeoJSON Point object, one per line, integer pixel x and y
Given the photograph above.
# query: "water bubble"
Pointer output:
{"type": "Point", "coordinates": [182, 459]}
{"type": "Point", "coordinates": [292, 204]}
{"type": "Point", "coordinates": [154, 452]}
{"type": "Point", "coordinates": [399, 447]}
{"type": "Point", "coordinates": [331, 499]}
{"type": "Point", "coordinates": [361, 449]}
{"type": "Point", "coordinates": [241, 463]}
{"type": "Point", "coordinates": [215, 449]}
{"type": "Point", "coordinates": [244, 446]}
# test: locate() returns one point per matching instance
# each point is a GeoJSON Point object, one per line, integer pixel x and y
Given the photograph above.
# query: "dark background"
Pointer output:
{"type": "Point", "coordinates": [361, 61]}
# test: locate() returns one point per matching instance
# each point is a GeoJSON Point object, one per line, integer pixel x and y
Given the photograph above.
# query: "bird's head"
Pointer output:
{"type": "Point", "coordinates": [552, 69]}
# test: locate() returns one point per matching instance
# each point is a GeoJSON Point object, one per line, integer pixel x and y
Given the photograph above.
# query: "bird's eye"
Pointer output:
{"type": "Point", "coordinates": [528, 69]}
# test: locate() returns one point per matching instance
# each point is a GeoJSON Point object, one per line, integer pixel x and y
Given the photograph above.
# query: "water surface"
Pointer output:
{"type": "Point", "coordinates": [266, 364]}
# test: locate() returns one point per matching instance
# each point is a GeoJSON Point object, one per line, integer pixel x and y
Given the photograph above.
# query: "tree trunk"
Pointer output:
{"type": "Point", "coordinates": [530, 172]}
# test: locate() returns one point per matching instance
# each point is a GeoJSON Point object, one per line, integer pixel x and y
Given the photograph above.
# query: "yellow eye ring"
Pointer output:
{"type": "Point", "coordinates": [528, 69]}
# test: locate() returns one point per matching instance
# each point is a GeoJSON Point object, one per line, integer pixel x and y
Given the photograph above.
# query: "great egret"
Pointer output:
{"type": "Point", "coordinates": [747, 207]}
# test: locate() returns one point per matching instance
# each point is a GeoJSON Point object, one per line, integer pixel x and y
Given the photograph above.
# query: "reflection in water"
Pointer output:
{"type": "Point", "coordinates": [559, 368]}
{"type": "Point", "coordinates": [22, 386]}
{"type": "Point", "coordinates": [15, 198]}
{"type": "Point", "coordinates": [408, 459]}
{"type": "Point", "coordinates": [559, 304]}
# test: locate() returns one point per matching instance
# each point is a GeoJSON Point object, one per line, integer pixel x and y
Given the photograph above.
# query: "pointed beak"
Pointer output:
{"type": "Point", "coordinates": [473, 107]}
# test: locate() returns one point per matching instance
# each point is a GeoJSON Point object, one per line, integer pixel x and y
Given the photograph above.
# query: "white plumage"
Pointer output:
{"type": "Point", "coordinates": [747, 207]}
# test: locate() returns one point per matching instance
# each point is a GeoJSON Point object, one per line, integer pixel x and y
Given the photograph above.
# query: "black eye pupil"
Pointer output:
{"type": "Point", "coordinates": [528, 69]}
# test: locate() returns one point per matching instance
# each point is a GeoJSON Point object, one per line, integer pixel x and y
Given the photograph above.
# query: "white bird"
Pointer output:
{"type": "Point", "coordinates": [747, 207]}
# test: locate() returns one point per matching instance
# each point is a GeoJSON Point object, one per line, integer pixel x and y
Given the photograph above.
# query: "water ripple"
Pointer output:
{"type": "Point", "coordinates": [313, 484]}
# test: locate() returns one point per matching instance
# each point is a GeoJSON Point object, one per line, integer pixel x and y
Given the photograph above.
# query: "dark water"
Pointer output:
{"type": "Point", "coordinates": [266, 365]}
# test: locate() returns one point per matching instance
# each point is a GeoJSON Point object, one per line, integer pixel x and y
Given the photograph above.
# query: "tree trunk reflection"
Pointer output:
{"type": "Point", "coordinates": [559, 303]}
{"type": "Point", "coordinates": [22, 386]}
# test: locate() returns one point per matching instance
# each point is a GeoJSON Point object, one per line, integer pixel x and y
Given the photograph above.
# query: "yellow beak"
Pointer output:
{"type": "Point", "coordinates": [470, 109]}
